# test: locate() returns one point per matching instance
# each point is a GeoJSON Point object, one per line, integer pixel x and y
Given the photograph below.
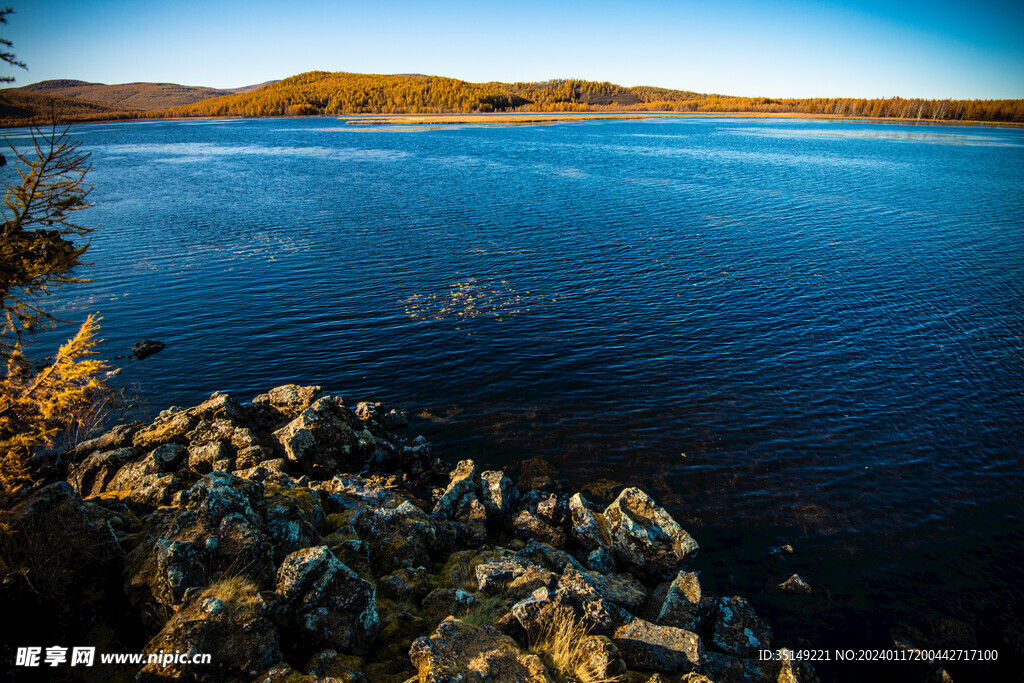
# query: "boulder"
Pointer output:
{"type": "Point", "coordinates": [398, 537]}
{"type": "Point", "coordinates": [169, 457]}
{"type": "Point", "coordinates": [658, 648]}
{"type": "Point", "coordinates": [584, 528]}
{"type": "Point", "coordinates": [447, 602]}
{"type": "Point", "coordinates": [513, 577]}
{"type": "Point", "coordinates": [737, 630]}
{"type": "Point", "coordinates": [463, 487]}
{"type": "Point", "coordinates": [284, 403]}
{"type": "Point", "coordinates": [321, 442]}
{"type": "Point", "coordinates": [146, 348]}
{"type": "Point", "coordinates": [94, 473]}
{"type": "Point", "coordinates": [172, 428]}
{"type": "Point", "coordinates": [231, 622]}
{"type": "Point", "coordinates": [118, 437]}
{"type": "Point", "coordinates": [326, 602]}
{"type": "Point", "coordinates": [645, 538]}
{"type": "Point", "coordinates": [575, 597]}
{"type": "Point", "coordinates": [458, 652]}
{"type": "Point", "coordinates": [529, 526]}
{"type": "Point", "coordinates": [410, 584]}
{"type": "Point", "coordinates": [498, 494]}
{"type": "Point", "coordinates": [683, 605]}
{"type": "Point", "coordinates": [795, 585]}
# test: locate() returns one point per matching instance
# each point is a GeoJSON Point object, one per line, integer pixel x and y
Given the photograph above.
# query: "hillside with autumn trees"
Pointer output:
{"type": "Point", "coordinates": [325, 93]}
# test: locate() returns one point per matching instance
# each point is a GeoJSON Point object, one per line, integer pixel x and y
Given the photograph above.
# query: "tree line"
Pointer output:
{"type": "Point", "coordinates": [338, 94]}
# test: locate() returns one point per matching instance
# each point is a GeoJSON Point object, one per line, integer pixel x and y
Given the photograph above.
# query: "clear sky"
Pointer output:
{"type": "Point", "coordinates": [787, 48]}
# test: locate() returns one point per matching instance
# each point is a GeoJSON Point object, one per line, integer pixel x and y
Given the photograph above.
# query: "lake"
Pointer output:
{"type": "Point", "coordinates": [798, 332]}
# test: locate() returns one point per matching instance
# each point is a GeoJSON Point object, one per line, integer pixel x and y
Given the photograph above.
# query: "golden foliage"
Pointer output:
{"type": "Point", "coordinates": [327, 94]}
{"type": "Point", "coordinates": [324, 93]}
{"type": "Point", "coordinates": [35, 407]}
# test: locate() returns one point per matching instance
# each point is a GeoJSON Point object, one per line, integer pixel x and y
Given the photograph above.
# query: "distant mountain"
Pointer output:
{"type": "Point", "coordinates": [19, 107]}
{"type": "Point", "coordinates": [127, 96]}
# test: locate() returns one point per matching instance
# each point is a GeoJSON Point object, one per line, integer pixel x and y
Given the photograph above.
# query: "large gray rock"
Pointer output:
{"type": "Point", "coordinates": [584, 528]}
{"type": "Point", "coordinates": [645, 538]}
{"type": "Point", "coordinates": [398, 537]}
{"type": "Point", "coordinates": [218, 528]}
{"type": "Point", "coordinates": [463, 487]}
{"type": "Point", "coordinates": [458, 652]}
{"type": "Point", "coordinates": [513, 577]}
{"type": "Point", "coordinates": [737, 630]}
{"type": "Point", "coordinates": [229, 620]}
{"type": "Point", "coordinates": [321, 441]}
{"type": "Point", "coordinates": [658, 648]}
{"type": "Point", "coordinates": [498, 494]}
{"type": "Point", "coordinates": [683, 605]}
{"type": "Point", "coordinates": [284, 403]}
{"type": "Point", "coordinates": [527, 525]}
{"type": "Point", "coordinates": [326, 601]}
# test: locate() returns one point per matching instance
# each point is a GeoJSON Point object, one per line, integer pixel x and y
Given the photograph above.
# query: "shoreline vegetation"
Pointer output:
{"type": "Point", "coordinates": [299, 538]}
{"type": "Point", "coordinates": [319, 93]}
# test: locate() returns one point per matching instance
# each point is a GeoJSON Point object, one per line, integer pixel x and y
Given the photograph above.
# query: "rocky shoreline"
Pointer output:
{"type": "Point", "coordinates": [297, 538]}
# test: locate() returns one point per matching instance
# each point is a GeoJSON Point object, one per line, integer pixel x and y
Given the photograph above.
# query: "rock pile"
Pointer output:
{"type": "Point", "coordinates": [294, 538]}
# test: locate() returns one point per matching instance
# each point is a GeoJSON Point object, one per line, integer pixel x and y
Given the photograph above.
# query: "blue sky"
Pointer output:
{"type": "Point", "coordinates": [789, 48]}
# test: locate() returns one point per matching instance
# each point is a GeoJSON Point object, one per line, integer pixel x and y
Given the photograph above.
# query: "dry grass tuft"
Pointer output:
{"type": "Point", "coordinates": [559, 645]}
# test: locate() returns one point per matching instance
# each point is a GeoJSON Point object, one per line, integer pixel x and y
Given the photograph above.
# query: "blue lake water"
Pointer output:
{"type": "Point", "coordinates": [801, 332]}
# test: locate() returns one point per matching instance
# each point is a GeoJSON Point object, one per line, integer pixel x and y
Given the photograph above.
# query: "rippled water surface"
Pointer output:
{"type": "Point", "coordinates": [792, 332]}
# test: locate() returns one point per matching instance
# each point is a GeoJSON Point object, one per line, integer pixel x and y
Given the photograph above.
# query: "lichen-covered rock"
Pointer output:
{"type": "Point", "coordinates": [284, 403]}
{"type": "Point", "coordinates": [683, 605]}
{"type": "Point", "coordinates": [528, 525]}
{"type": "Point", "coordinates": [463, 488]}
{"type": "Point", "coordinates": [659, 648]}
{"type": "Point", "coordinates": [444, 602]}
{"type": "Point", "coordinates": [220, 521]}
{"type": "Point", "coordinates": [173, 428]}
{"type": "Point", "coordinates": [584, 528]}
{"type": "Point", "coordinates": [737, 630]}
{"type": "Point", "coordinates": [118, 437]}
{"type": "Point", "coordinates": [327, 602]}
{"type": "Point", "coordinates": [601, 560]}
{"type": "Point", "coordinates": [574, 595]}
{"type": "Point", "coordinates": [219, 406]}
{"type": "Point", "coordinates": [461, 653]}
{"type": "Point", "coordinates": [398, 537]}
{"type": "Point", "coordinates": [179, 566]}
{"type": "Point", "coordinates": [795, 585]}
{"type": "Point", "coordinates": [792, 670]}
{"type": "Point", "coordinates": [292, 517]}
{"type": "Point", "coordinates": [94, 473]}
{"type": "Point", "coordinates": [645, 538]}
{"type": "Point", "coordinates": [229, 621]}
{"type": "Point", "coordinates": [548, 556]}
{"type": "Point", "coordinates": [620, 589]}
{"type": "Point", "coordinates": [321, 441]}
{"type": "Point", "coordinates": [513, 577]}
{"type": "Point", "coordinates": [203, 459]}
{"type": "Point", "coordinates": [498, 494]}
{"type": "Point", "coordinates": [409, 584]}
{"type": "Point", "coordinates": [169, 457]}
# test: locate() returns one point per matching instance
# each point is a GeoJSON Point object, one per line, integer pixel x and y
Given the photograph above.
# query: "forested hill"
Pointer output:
{"type": "Point", "coordinates": [326, 93]}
